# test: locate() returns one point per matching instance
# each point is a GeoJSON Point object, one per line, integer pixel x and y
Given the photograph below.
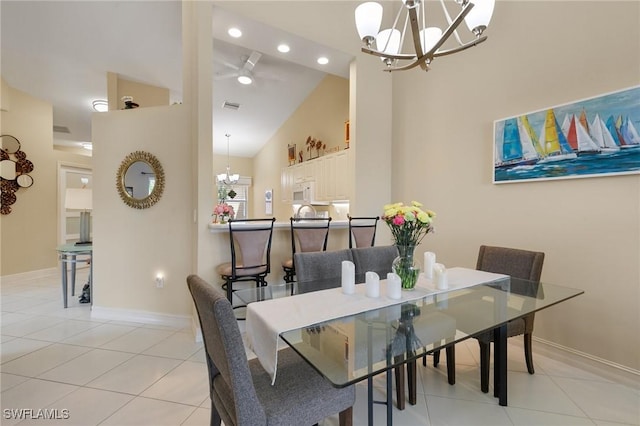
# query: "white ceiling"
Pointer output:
{"type": "Point", "coordinates": [60, 51]}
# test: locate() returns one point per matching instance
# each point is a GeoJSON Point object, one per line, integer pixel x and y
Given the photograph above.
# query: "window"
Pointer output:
{"type": "Point", "coordinates": [240, 202]}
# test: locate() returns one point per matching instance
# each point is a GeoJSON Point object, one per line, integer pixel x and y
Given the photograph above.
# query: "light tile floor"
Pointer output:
{"type": "Point", "coordinates": [118, 373]}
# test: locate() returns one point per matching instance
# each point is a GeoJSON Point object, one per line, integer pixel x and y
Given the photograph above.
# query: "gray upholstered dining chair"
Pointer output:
{"type": "Point", "coordinates": [323, 270]}
{"type": "Point", "coordinates": [379, 259]}
{"type": "Point", "coordinates": [319, 270]}
{"type": "Point", "coordinates": [523, 264]}
{"type": "Point", "coordinates": [308, 234]}
{"type": "Point", "coordinates": [362, 231]}
{"type": "Point", "coordinates": [240, 390]}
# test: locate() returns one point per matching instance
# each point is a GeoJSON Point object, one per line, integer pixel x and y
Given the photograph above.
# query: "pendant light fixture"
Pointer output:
{"type": "Point", "coordinates": [228, 178]}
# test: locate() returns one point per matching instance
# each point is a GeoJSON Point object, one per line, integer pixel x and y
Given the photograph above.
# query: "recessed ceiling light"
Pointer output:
{"type": "Point", "coordinates": [234, 32]}
{"type": "Point", "coordinates": [323, 60]}
{"type": "Point", "coordinates": [244, 79]}
{"type": "Point", "coordinates": [283, 48]}
{"type": "Point", "coordinates": [100, 105]}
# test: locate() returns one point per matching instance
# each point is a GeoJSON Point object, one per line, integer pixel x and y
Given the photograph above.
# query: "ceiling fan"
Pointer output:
{"type": "Point", "coordinates": [243, 74]}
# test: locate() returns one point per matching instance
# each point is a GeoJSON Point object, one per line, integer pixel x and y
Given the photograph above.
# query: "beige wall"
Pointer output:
{"type": "Point", "coordinates": [321, 116]}
{"type": "Point", "coordinates": [144, 95]}
{"type": "Point", "coordinates": [131, 246]}
{"type": "Point", "coordinates": [588, 228]}
{"type": "Point", "coordinates": [29, 232]}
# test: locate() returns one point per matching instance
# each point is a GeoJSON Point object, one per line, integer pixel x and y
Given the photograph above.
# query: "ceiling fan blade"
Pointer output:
{"type": "Point", "coordinates": [224, 76]}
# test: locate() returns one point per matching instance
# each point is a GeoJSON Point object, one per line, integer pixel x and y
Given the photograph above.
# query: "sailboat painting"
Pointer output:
{"type": "Point", "coordinates": [592, 137]}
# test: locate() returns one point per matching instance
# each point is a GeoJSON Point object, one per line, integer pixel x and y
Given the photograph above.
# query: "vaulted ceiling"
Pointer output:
{"type": "Point", "coordinates": [61, 52]}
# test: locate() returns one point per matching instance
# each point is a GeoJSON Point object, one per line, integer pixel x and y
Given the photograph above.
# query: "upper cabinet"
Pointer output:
{"type": "Point", "coordinates": [331, 174]}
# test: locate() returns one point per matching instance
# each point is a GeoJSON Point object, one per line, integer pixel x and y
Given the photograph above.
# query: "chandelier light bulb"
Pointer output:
{"type": "Point", "coordinates": [368, 20]}
{"type": "Point", "coordinates": [478, 19]}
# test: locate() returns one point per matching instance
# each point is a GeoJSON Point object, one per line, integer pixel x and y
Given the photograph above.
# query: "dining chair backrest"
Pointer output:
{"type": "Point", "coordinates": [522, 264]}
{"type": "Point", "coordinates": [362, 231]}
{"type": "Point", "coordinates": [517, 263]}
{"type": "Point", "coordinates": [310, 234]}
{"type": "Point", "coordinates": [225, 354]}
{"type": "Point", "coordinates": [320, 270]}
{"type": "Point", "coordinates": [377, 259]}
{"type": "Point", "coordinates": [251, 246]}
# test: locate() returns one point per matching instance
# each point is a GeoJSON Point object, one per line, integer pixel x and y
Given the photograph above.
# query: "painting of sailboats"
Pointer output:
{"type": "Point", "coordinates": [596, 136]}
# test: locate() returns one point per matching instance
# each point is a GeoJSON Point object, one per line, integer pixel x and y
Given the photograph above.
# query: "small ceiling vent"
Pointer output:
{"type": "Point", "coordinates": [230, 105]}
{"type": "Point", "coordinates": [61, 129]}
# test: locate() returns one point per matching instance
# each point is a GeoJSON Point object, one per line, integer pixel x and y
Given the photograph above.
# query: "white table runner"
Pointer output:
{"type": "Point", "coordinates": [266, 320]}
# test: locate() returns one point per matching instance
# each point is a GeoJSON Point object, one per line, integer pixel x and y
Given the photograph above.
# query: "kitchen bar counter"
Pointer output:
{"type": "Point", "coordinates": [280, 245]}
{"type": "Point", "coordinates": [334, 224]}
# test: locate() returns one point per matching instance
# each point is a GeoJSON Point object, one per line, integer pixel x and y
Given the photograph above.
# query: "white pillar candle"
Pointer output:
{"type": "Point", "coordinates": [372, 284]}
{"type": "Point", "coordinates": [348, 277]}
{"type": "Point", "coordinates": [429, 261]}
{"type": "Point", "coordinates": [394, 286]}
{"type": "Point", "coordinates": [440, 276]}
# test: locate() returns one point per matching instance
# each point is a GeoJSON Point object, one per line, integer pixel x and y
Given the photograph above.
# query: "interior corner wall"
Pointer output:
{"type": "Point", "coordinates": [539, 54]}
{"type": "Point", "coordinates": [131, 246]}
{"type": "Point", "coordinates": [321, 115]}
{"type": "Point", "coordinates": [29, 232]}
{"type": "Point", "coordinates": [143, 94]}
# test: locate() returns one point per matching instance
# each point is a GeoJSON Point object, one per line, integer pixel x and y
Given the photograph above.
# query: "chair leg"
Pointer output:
{"type": "Point", "coordinates": [229, 291]}
{"type": "Point", "coordinates": [346, 417]}
{"type": "Point", "coordinates": [451, 364]}
{"type": "Point", "coordinates": [399, 373]}
{"type": "Point", "coordinates": [436, 358]}
{"type": "Point", "coordinates": [215, 417]}
{"type": "Point", "coordinates": [485, 354]}
{"type": "Point", "coordinates": [528, 352]}
{"type": "Point", "coordinates": [412, 382]}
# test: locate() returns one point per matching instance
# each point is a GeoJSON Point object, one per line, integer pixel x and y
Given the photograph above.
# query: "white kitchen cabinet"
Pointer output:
{"type": "Point", "coordinates": [331, 174]}
{"type": "Point", "coordinates": [286, 184]}
{"type": "Point", "coordinates": [342, 176]}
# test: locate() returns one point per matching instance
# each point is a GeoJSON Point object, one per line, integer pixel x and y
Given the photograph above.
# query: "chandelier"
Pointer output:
{"type": "Point", "coordinates": [426, 41]}
{"type": "Point", "coordinates": [228, 178]}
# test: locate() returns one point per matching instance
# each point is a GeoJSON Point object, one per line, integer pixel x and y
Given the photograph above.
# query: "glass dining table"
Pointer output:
{"type": "Point", "coordinates": [356, 347]}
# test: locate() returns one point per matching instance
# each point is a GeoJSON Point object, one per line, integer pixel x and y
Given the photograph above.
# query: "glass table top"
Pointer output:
{"type": "Point", "coordinates": [348, 349]}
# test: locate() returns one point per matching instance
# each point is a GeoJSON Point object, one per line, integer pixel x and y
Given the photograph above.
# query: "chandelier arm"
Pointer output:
{"type": "Point", "coordinates": [401, 56]}
{"type": "Point", "coordinates": [433, 52]}
{"type": "Point", "coordinates": [450, 30]}
{"type": "Point", "coordinates": [446, 14]}
{"type": "Point", "coordinates": [423, 59]}
{"type": "Point", "coordinates": [415, 29]}
{"type": "Point", "coordinates": [460, 48]}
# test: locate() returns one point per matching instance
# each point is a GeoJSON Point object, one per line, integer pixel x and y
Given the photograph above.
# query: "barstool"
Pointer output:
{"type": "Point", "coordinates": [309, 234]}
{"type": "Point", "coordinates": [250, 241]}
{"type": "Point", "coordinates": [363, 231]}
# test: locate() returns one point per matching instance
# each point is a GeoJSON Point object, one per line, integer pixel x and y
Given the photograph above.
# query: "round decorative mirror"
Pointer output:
{"type": "Point", "coordinates": [10, 144]}
{"type": "Point", "coordinates": [140, 180]}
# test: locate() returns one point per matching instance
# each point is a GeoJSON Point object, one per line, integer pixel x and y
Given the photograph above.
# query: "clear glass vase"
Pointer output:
{"type": "Point", "coordinates": [405, 268]}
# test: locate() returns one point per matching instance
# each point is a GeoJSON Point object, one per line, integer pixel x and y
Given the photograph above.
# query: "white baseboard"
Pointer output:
{"type": "Point", "coordinates": [589, 356]}
{"type": "Point", "coordinates": [145, 317]}
{"type": "Point", "coordinates": [30, 275]}
{"type": "Point", "coordinates": [195, 328]}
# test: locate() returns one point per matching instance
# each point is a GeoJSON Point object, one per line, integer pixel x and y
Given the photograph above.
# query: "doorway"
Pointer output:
{"type": "Point", "coordinates": [71, 176]}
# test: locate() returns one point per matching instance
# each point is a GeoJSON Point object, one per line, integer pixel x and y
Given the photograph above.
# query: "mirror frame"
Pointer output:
{"type": "Point", "coordinates": [154, 197]}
